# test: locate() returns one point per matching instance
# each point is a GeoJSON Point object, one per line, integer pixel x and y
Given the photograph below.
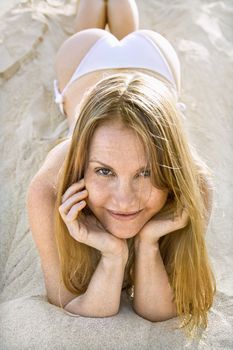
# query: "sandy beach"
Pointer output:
{"type": "Point", "coordinates": [31, 124]}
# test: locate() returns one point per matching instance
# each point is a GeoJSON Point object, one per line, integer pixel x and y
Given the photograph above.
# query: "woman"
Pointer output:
{"type": "Point", "coordinates": [124, 202]}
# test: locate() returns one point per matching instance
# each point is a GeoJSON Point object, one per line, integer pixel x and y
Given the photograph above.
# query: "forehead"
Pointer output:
{"type": "Point", "coordinates": [113, 141]}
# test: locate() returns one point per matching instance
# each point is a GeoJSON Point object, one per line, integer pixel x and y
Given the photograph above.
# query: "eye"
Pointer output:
{"type": "Point", "coordinates": [145, 173]}
{"type": "Point", "coordinates": [103, 172]}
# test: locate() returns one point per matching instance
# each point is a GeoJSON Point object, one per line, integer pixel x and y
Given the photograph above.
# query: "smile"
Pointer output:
{"type": "Point", "coordinates": [124, 217]}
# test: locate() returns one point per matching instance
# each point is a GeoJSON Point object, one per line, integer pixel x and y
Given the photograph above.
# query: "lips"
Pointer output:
{"type": "Point", "coordinates": [124, 217]}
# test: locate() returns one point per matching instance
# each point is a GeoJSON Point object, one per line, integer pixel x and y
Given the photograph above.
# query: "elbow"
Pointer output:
{"type": "Point", "coordinates": [156, 317]}
{"type": "Point", "coordinates": [54, 302]}
{"type": "Point", "coordinates": [113, 312]}
{"type": "Point", "coordinates": [108, 312]}
{"type": "Point", "coordinates": [161, 318]}
{"type": "Point", "coordinates": [81, 307]}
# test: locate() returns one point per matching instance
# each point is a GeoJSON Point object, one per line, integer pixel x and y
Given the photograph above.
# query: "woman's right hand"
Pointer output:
{"type": "Point", "coordinates": [89, 230]}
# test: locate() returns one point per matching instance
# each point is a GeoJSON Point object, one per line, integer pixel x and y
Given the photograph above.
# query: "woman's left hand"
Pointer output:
{"type": "Point", "coordinates": [158, 227]}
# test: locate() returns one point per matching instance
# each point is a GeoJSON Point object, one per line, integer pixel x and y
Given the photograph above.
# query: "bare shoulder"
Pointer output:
{"type": "Point", "coordinates": [48, 173]}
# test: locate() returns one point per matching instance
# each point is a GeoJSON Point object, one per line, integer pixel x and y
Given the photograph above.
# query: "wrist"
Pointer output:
{"type": "Point", "coordinates": [119, 254]}
{"type": "Point", "coordinates": [114, 259]}
{"type": "Point", "coordinates": [143, 244]}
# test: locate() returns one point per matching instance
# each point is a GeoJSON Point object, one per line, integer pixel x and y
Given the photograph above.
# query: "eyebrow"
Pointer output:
{"type": "Point", "coordinates": [108, 166]}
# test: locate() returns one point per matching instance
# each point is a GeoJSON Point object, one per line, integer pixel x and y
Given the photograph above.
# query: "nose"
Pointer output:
{"type": "Point", "coordinates": [126, 196]}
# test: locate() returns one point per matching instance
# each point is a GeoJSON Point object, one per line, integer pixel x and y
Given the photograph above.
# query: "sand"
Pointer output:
{"type": "Point", "coordinates": [31, 33]}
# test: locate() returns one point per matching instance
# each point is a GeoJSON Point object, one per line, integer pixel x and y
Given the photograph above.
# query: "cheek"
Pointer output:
{"type": "Point", "coordinates": [96, 190]}
{"type": "Point", "coordinates": [157, 200]}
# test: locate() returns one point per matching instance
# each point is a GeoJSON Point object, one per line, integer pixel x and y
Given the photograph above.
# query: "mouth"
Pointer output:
{"type": "Point", "coordinates": [124, 216]}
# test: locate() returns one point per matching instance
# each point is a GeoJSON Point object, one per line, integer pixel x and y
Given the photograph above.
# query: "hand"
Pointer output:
{"type": "Point", "coordinates": [159, 226]}
{"type": "Point", "coordinates": [88, 229]}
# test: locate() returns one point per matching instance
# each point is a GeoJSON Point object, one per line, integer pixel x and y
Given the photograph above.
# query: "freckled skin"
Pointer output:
{"type": "Point", "coordinates": [125, 188]}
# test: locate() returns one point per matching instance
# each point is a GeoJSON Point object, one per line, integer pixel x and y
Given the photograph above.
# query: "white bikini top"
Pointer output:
{"type": "Point", "coordinates": [133, 51]}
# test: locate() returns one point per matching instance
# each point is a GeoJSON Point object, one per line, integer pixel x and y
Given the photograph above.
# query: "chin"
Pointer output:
{"type": "Point", "coordinates": [125, 235]}
{"type": "Point", "coordinates": [122, 235]}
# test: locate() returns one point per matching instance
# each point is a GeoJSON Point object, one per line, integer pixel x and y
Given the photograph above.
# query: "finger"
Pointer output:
{"type": "Point", "coordinates": [77, 197]}
{"type": "Point", "coordinates": [77, 186]}
{"type": "Point", "coordinates": [74, 199]}
{"type": "Point", "coordinates": [74, 211]}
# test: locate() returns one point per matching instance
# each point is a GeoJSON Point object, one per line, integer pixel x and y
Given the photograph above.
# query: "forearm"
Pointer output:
{"type": "Point", "coordinates": [152, 291]}
{"type": "Point", "coordinates": [103, 294]}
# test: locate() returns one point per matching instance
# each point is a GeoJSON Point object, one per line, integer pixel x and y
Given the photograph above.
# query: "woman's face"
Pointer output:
{"type": "Point", "coordinates": [118, 183]}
